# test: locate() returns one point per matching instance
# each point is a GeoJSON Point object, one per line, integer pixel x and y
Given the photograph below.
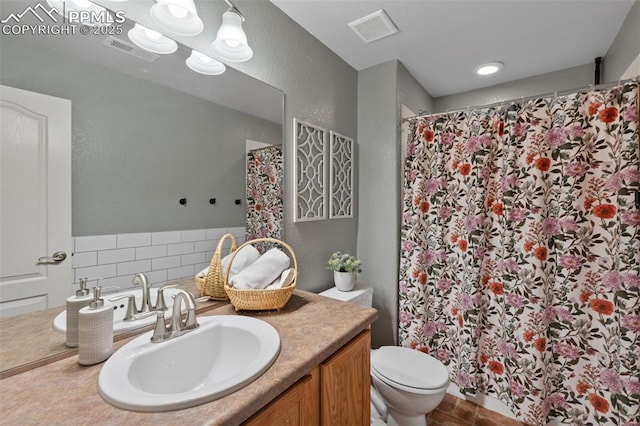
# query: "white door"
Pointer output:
{"type": "Point", "coordinates": [35, 207]}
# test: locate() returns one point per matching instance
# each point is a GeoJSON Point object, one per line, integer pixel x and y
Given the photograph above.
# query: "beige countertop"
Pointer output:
{"type": "Point", "coordinates": [311, 328]}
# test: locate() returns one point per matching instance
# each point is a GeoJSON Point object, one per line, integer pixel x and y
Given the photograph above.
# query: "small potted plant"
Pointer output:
{"type": "Point", "coordinates": [344, 267]}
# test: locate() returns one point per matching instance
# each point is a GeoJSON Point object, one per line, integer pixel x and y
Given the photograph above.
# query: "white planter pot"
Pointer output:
{"type": "Point", "coordinates": [345, 281]}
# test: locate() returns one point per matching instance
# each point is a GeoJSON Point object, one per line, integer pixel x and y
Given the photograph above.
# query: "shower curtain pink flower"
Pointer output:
{"type": "Point", "coordinates": [520, 265]}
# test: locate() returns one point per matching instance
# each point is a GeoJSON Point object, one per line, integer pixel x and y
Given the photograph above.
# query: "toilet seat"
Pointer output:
{"type": "Point", "coordinates": [397, 366]}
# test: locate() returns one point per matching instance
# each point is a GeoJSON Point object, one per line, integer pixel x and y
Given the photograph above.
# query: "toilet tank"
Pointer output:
{"type": "Point", "coordinates": [362, 296]}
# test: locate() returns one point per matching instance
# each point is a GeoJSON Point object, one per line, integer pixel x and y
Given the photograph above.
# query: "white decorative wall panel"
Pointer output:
{"type": "Point", "coordinates": [340, 176]}
{"type": "Point", "coordinates": [309, 171]}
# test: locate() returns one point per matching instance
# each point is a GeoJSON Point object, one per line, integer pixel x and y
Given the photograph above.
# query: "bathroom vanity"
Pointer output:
{"type": "Point", "coordinates": [321, 376]}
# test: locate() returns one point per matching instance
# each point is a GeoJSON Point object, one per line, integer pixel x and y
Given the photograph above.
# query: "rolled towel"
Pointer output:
{"type": "Point", "coordinates": [285, 279]}
{"type": "Point", "coordinates": [246, 256]}
{"type": "Point", "coordinates": [262, 272]}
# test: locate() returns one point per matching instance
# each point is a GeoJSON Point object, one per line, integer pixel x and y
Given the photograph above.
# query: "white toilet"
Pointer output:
{"type": "Point", "coordinates": [411, 383]}
{"type": "Point", "coordinates": [405, 384]}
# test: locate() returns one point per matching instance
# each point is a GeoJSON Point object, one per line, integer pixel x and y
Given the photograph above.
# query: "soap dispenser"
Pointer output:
{"type": "Point", "coordinates": [95, 330]}
{"type": "Point", "coordinates": [74, 304]}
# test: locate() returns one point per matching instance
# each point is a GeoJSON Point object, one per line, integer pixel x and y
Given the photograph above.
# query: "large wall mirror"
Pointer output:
{"type": "Point", "coordinates": [147, 131]}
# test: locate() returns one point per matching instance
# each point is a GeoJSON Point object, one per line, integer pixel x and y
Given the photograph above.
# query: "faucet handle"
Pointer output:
{"type": "Point", "coordinates": [161, 304]}
{"type": "Point", "coordinates": [132, 309]}
{"type": "Point", "coordinates": [160, 332]}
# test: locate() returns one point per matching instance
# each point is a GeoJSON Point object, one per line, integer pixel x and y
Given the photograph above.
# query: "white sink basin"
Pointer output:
{"type": "Point", "coordinates": [120, 309]}
{"type": "Point", "coordinates": [224, 354]}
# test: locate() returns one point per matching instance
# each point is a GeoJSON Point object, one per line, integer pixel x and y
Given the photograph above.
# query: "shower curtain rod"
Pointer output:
{"type": "Point", "coordinates": [265, 147]}
{"type": "Point", "coordinates": [635, 79]}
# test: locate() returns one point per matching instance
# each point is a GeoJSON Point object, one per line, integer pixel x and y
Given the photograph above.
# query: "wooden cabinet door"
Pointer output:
{"type": "Point", "coordinates": [344, 384]}
{"type": "Point", "coordinates": [297, 406]}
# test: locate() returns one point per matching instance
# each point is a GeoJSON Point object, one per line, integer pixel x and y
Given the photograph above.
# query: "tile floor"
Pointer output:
{"type": "Point", "coordinates": [454, 411]}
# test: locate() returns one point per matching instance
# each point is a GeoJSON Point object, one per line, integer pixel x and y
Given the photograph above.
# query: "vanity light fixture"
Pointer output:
{"type": "Point", "coordinates": [488, 68]}
{"type": "Point", "coordinates": [231, 41]}
{"type": "Point", "coordinates": [151, 40]}
{"type": "Point", "coordinates": [204, 65]}
{"type": "Point", "coordinates": [177, 16]}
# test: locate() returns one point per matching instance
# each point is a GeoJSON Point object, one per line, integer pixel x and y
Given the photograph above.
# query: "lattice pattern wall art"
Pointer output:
{"type": "Point", "coordinates": [309, 171]}
{"type": "Point", "coordinates": [340, 176]}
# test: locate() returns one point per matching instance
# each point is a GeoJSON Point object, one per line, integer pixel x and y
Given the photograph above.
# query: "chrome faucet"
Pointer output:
{"type": "Point", "coordinates": [141, 279]}
{"type": "Point", "coordinates": [178, 325]}
{"type": "Point", "coordinates": [147, 306]}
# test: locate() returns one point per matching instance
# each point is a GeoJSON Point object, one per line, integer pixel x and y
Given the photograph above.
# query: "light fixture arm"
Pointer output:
{"type": "Point", "coordinates": [234, 9]}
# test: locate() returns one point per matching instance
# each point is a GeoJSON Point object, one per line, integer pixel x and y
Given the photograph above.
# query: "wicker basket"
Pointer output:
{"type": "Point", "coordinates": [256, 299]}
{"type": "Point", "coordinates": [213, 284]}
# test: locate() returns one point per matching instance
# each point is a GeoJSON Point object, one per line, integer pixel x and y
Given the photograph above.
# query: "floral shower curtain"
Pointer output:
{"type": "Point", "coordinates": [520, 264]}
{"type": "Point", "coordinates": [264, 193]}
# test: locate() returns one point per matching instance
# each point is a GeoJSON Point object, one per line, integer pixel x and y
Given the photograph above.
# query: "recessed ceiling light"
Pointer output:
{"type": "Point", "coordinates": [488, 68]}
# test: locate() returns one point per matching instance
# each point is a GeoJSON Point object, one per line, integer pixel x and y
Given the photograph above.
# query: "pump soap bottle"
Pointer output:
{"type": "Point", "coordinates": [74, 304]}
{"type": "Point", "coordinates": [95, 330]}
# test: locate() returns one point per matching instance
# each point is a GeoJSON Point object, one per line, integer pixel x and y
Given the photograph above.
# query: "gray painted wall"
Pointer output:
{"type": "Point", "coordinates": [379, 200]}
{"type": "Point", "coordinates": [411, 93]}
{"type": "Point", "coordinates": [138, 147]}
{"type": "Point", "coordinates": [321, 89]}
{"type": "Point", "coordinates": [625, 48]}
{"type": "Point", "coordinates": [571, 78]}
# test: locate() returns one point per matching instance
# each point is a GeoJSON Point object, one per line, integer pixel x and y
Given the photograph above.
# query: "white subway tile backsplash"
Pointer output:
{"type": "Point", "coordinates": [201, 266]}
{"type": "Point", "coordinates": [151, 252]}
{"type": "Point", "coordinates": [167, 237]}
{"type": "Point", "coordinates": [182, 272]}
{"type": "Point", "coordinates": [193, 235]}
{"type": "Point", "coordinates": [191, 259]}
{"type": "Point", "coordinates": [85, 258]}
{"type": "Point", "coordinates": [205, 245]}
{"type": "Point", "coordinates": [132, 268]}
{"type": "Point", "coordinates": [93, 272]}
{"type": "Point", "coordinates": [162, 256]}
{"type": "Point", "coordinates": [215, 233]}
{"type": "Point", "coordinates": [182, 248]}
{"type": "Point", "coordinates": [166, 262]}
{"type": "Point", "coordinates": [116, 256]}
{"type": "Point", "coordinates": [134, 240]}
{"type": "Point", "coordinates": [97, 242]}
{"type": "Point", "coordinates": [157, 278]}
{"type": "Point", "coordinates": [115, 284]}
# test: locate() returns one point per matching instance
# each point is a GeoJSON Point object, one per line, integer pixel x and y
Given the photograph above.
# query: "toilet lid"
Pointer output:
{"type": "Point", "coordinates": [409, 367]}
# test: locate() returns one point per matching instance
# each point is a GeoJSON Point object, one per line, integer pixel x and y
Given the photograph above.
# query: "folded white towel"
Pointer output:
{"type": "Point", "coordinates": [246, 256]}
{"type": "Point", "coordinates": [285, 279]}
{"type": "Point", "coordinates": [262, 272]}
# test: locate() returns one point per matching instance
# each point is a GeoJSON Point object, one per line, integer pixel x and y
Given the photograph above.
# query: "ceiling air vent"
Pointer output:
{"type": "Point", "coordinates": [374, 26]}
{"type": "Point", "coordinates": [131, 49]}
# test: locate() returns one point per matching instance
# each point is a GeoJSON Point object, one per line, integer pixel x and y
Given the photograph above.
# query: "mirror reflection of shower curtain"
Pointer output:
{"type": "Point", "coordinates": [264, 193]}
